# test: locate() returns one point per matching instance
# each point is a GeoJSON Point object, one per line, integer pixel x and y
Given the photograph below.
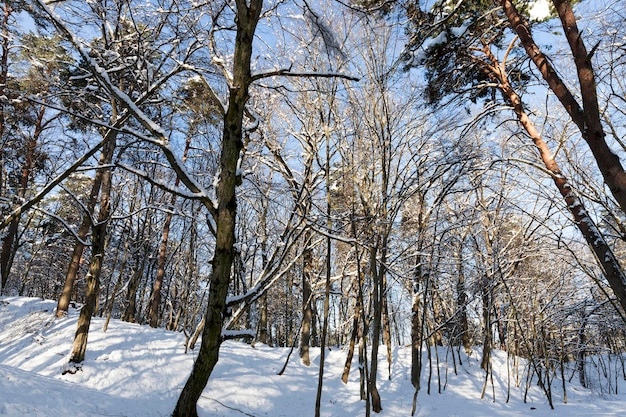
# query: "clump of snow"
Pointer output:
{"type": "Point", "coordinates": [539, 10]}
{"type": "Point", "coordinates": [137, 371]}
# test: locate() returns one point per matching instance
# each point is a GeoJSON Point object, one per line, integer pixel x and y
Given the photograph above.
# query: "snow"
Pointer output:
{"type": "Point", "coordinates": [539, 10]}
{"type": "Point", "coordinates": [460, 30]}
{"type": "Point", "coordinates": [134, 370]}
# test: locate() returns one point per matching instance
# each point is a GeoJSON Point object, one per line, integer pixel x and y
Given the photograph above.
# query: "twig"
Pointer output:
{"type": "Point", "coordinates": [230, 408]}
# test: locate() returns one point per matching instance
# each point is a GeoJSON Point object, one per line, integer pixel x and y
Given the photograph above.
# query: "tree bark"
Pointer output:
{"type": "Point", "coordinates": [4, 72]}
{"type": "Point", "coordinates": [155, 298]}
{"type": "Point", "coordinates": [79, 247]}
{"type": "Point", "coordinates": [358, 308]}
{"type": "Point", "coordinates": [376, 328]}
{"type": "Point", "coordinates": [9, 242]}
{"type": "Point", "coordinates": [462, 303]}
{"type": "Point", "coordinates": [594, 238]}
{"type": "Point", "coordinates": [232, 144]}
{"type": "Point", "coordinates": [98, 241]}
{"type": "Point", "coordinates": [307, 311]}
{"type": "Point", "coordinates": [587, 118]}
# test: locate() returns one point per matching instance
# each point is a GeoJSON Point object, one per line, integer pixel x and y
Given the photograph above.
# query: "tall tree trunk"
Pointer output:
{"type": "Point", "coordinates": [4, 72]}
{"type": "Point", "coordinates": [118, 285]}
{"type": "Point", "coordinates": [376, 327]}
{"type": "Point", "coordinates": [155, 298]}
{"type": "Point", "coordinates": [487, 338]}
{"type": "Point", "coordinates": [385, 315]}
{"type": "Point", "coordinates": [263, 334]}
{"type": "Point", "coordinates": [461, 295]}
{"type": "Point", "coordinates": [587, 226]}
{"type": "Point", "coordinates": [588, 117]}
{"type": "Point", "coordinates": [232, 144]}
{"type": "Point", "coordinates": [320, 380]}
{"type": "Point", "coordinates": [358, 308]}
{"type": "Point", "coordinates": [581, 354]}
{"type": "Point", "coordinates": [79, 247]}
{"type": "Point", "coordinates": [416, 325]}
{"type": "Point", "coordinates": [9, 242]}
{"type": "Point", "coordinates": [141, 256]}
{"type": "Point", "coordinates": [98, 241]}
{"type": "Point", "coordinates": [329, 225]}
{"type": "Point", "coordinates": [307, 311]}
{"type": "Point", "coordinates": [352, 343]}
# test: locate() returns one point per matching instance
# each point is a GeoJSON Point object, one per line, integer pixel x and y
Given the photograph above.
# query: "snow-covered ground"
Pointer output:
{"type": "Point", "coordinates": [134, 370]}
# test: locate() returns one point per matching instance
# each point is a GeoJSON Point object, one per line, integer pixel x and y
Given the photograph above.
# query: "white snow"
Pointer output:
{"type": "Point", "coordinates": [460, 30]}
{"type": "Point", "coordinates": [134, 370]}
{"type": "Point", "coordinates": [539, 10]}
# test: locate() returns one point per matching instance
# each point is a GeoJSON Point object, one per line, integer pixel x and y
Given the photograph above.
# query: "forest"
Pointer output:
{"type": "Point", "coordinates": [312, 174]}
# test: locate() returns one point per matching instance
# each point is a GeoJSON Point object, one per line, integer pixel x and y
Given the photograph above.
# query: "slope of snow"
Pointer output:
{"type": "Point", "coordinates": [135, 371]}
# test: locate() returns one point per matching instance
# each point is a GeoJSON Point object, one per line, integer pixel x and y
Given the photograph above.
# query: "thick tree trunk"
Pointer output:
{"type": "Point", "coordinates": [98, 241]}
{"type": "Point", "coordinates": [320, 379]}
{"type": "Point", "coordinates": [595, 239]}
{"type": "Point", "coordinates": [417, 322]}
{"type": "Point", "coordinates": [155, 298]}
{"type": "Point", "coordinates": [141, 257]}
{"type": "Point", "coordinates": [352, 343]}
{"type": "Point", "coordinates": [487, 338]}
{"type": "Point", "coordinates": [263, 335]}
{"type": "Point", "coordinates": [130, 312]}
{"type": "Point", "coordinates": [358, 310]}
{"type": "Point", "coordinates": [72, 271]}
{"type": "Point", "coordinates": [232, 144]}
{"type": "Point", "coordinates": [587, 118]}
{"type": "Point", "coordinates": [461, 295]}
{"type": "Point", "coordinates": [9, 242]}
{"type": "Point", "coordinates": [307, 311]}
{"type": "Point", "coordinates": [4, 72]}
{"type": "Point", "coordinates": [376, 328]}
{"type": "Point", "coordinates": [385, 316]}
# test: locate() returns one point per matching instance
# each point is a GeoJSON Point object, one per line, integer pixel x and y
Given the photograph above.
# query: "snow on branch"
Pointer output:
{"type": "Point", "coordinates": [56, 181]}
{"type": "Point", "coordinates": [287, 72]}
{"type": "Point", "coordinates": [160, 138]}
{"type": "Point", "coordinates": [65, 225]}
{"type": "Point", "coordinates": [163, 185]}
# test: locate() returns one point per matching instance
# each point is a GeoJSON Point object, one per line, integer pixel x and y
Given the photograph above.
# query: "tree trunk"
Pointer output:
{"type": "Point", "coordinates": [263, 336]}
{"type": "Point", "coordinates": [320, 379]}
{"type": "Point", "coordinates": [98, 240]}
{"type": "Point", "coordinates": [155, 298]}
{"type": "Point", "coordinates": [141, 257]}
{"type": "Point", "coordinates": [358, 310]}
{"type": "Point", "coordinates": [462, 304]}
{"type": "Point", "coordinates": [4, 72]}
{"type": "Point", "coordinates": [385, 316]}
{"type": "Point", "coordinates": [72, 272]}
{"type": "Point", "coordinates": [376, 327]}
{"type": "Point", "coordinates": [595, 239]}
{"type": "Point", "coordinates": [232, 144]}
{"type": "Point", "coordinates": [587, 118]}
{"type": "Point", "coordinates": [307, 311]}
{"type": "Point", "coordinates": [9, 242]}
{"type": "Point", "coordinates": [352, 343]}
{"type": "Point", "coordinates": [118, 285]}
{"type": "Point", "coordinates": [487, 338]}
{"type": "Point", "coordinates": [416, 326]}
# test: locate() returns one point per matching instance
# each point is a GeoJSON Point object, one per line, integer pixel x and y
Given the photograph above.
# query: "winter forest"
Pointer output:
{"type": "Point", "coordinates": [324, 176]}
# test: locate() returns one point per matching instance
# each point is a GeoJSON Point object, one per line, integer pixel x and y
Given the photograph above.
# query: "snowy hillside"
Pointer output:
{"type": "Point", "coordinates": [134, 370]}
